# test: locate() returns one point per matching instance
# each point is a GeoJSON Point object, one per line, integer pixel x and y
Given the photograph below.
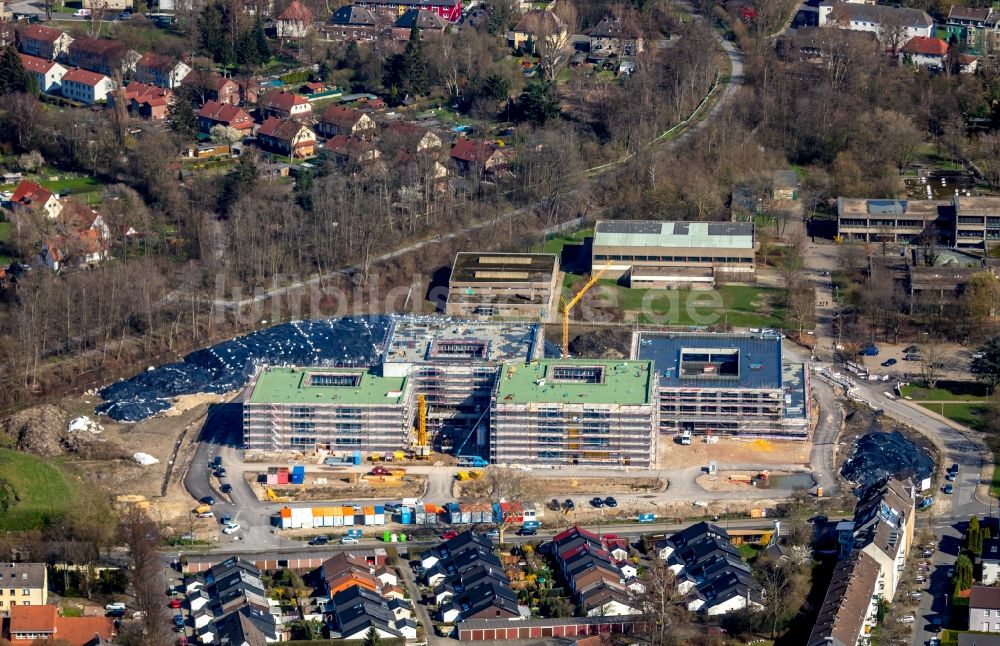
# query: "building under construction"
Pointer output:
{"type": "Point", "coordinates": [568, 412]}
{"type": "Point", "coordinates": [506, 285]}
{"type": "Point", "coordinates": [726, 384]}
{"type": "Point", "coordinates": [337, 409]}
{"type": "Point", "coordinates": [454, 364]}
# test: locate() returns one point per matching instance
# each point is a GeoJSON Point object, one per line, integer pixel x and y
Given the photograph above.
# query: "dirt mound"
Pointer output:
{"type": "Point", "coordinates": [42, 430]}
{"type": "Point", "coordinates": [604, 344]}
{"type": "Point", "coordinates": [37, 430]}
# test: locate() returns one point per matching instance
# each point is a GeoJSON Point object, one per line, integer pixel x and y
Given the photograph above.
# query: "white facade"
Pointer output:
{"type": "Point", "coordinates": [861, 19]}
{"type": "Point", "coordinates": [88, 93]}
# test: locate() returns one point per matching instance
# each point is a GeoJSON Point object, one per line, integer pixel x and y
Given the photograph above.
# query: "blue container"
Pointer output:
{"type": "Point", "coordinates": [646, 518]}
{"type": "Point", "coordinates": [406, 516]}
{"type": "Point", "coordinates": [297, 478]}
{"type": "Point", "coordinates": [357, 458]}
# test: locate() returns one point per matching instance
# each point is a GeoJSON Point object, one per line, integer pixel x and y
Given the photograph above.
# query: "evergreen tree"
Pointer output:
{"type": "Point", "coordinates": [372, 637]}
{"type": "Point", "coordinates": [406, 73]}
{"type": "Point", "coordinates": [973, 537]}
{"type": "Point", "coordinates": [352, 57]}
{"type": "Point", "coordinates": [181, 115]}
{"type": "Point", "coordinates": [13, 77]}
{"type": "Point", "coordinates": [963, 573]}
{"type": "Point", "coordinates": [495, 87]}
{"type": "Point", "coordinates": [537, 103]}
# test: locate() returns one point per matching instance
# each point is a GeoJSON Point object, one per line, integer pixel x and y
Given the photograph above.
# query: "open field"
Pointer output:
{"type": "Point", "coordinates": [34, 492]}
{"type": "Point", "coordinates": [947, 391]}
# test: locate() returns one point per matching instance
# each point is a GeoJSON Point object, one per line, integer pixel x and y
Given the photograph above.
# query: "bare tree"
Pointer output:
{"type": "Point", "coordinates": [932, 362]}
{"type": "Point", "coordinates": [664, 616]}
{"type": "Point", "coordinates": [512, 486]}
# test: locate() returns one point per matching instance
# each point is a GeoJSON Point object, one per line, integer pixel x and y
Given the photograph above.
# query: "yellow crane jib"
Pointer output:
{"type": "Point", "coordinates": [573, 301]}
{"type": "Point", "coordinates": [422, 448]}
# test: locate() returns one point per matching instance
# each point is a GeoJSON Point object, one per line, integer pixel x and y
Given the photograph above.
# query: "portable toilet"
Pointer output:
{"type": "Point", "coordinates": [405, 515]}
{"type": "Point", "coordinates": [357, 458]}
{"type": "Point", "coordinates": [385, 536]}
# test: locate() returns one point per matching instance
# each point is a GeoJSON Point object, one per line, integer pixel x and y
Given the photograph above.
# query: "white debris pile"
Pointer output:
{"type": "Point", "coordinates": [84, 424]}
{"type": "Point", "coordinates": [144, 459]}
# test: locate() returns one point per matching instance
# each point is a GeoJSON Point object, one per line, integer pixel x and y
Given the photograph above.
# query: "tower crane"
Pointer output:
{"type": "Point", "coordinates": [423, 450]}
{"type": "Point", "coordinates": [567, 306]}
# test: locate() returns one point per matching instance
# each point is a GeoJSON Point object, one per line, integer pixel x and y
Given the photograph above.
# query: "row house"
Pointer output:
{"type": "Point", "coordinates": [975, 29]}
{"type": "Point", "coordinates": [233, 586]}
{"type": "Point", "coordinates": [616, 34]}
{"type": "Point", "coordinates": [30, 624]}
{"type": "Point", "coordinates": [48, 74]}
{"type": "Point", "coordinates": [883, 528]}
{"type": "Point", "coordinates": [354, 612]}
{"type": "Point", "coordinates": [450, 10]}
{"type": "Point", "coordinates": [224, 114]}
{"type": "Point", "coordinates": [287, 137]}
{"type": "Point", "coordinates": [850, 608]}
{"type": "Point", "coordinates": [294, 22]}
{"type": "Point", "coordinates": [162, 71]}
{"type": "Point", "coordinates": [602, 585]}
{"type": "Point", "coordinates": [212, 86]}
{"type": "Point", "coordinates": [430, 24]}
{"type": "Point", "coordinates": [147, 101]}
{"type": "Point", "coordinates": [102, 55]}
{"type": "Point", "coordinates": [284, 105]}
{"type": "Point", "coordinates": [338, 120]}
{"type": "Point", "coordinates": [86, 87]}
{"type": "Point", "coordinates": [346, 569]}
{"type": "Point", "coordinates": [352, 23]}
{"type": "Point", "coordinates": [44, 42]}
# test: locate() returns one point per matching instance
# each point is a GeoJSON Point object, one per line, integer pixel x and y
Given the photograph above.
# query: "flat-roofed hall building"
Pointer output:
{"type": "Point", "coordinates": [507, 285]}
{"type": "Point", "coordinates": [598, 413]}
{"type": "Point", "coordinates": [339, 409]}
{"type": "Point", "coordinates": [977, 221]}
{"type": "Point", "coordinates": [670, 255]}
{"type": "Point", "coordinates": [454, 364]}
{"type": "Point", "coordinates": [861, 220]}
{"type": "Point", "coordinates": [726, 384]}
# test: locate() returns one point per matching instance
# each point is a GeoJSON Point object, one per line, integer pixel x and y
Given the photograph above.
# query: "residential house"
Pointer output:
{"type": "Point", "coordinates": [211, 86]}
{"type": "Point", "coordinates": [86, 87]}
{"type": "Point", "coordinates": [8, 34]}
{"type": "Point", "coordinates": [893, 25]}
{"type": "Point", "coordinates": [977, 30]}
{"type": "Point", "coordinates": [591, 573]}
{"type": "Point", "coordinates": [48, 74]}
{"type": "Point", "coordinates": [102, 55]}
{"type": "Point", "coordinates": [967, 64]}
{"type": "Point", "coordinates": [922, 51]}
{"type": "Point", "coordinates": [338, 120]}
{"type": "Point", "coordinates": [77, 216]}
{"type": "Point", "coordinates": [287, 137]}
{"type": "Point", "coordinates": [452, 547]}
{"type": "Point", "coordinates": [978, 639]}
{"type": "Point", "coordinates": [247, 626]}
{"type": "Point", "coordinates": [23, 584]}
{"type": "Point", "coordinates": [538, 25]}
{"type": "Point", "coordinates": [352, 23]}
{"type": "Point", "coordinates": [224, 114]}
{"type": "Point", "coordinates": [412, 138]}
{"type": "Point", "coordinates": [352, 612]}
{"type": "Point", "coordinates": [284, 105]}
{"type": "Point", "coordinates": [664, 548]}
{"type": "Point", "coordinates": [824, 46]}
{"type": "Point", "coordinates": [850, 608]}
{"type": "Point", "coordinates": [784, 185]}
{"type": "Point", "coordinates": [44, 42]}
{"type": "Point", "coordinates": [479, 157]}
{"type": "Point", "coordinates": [351, 150]}
{"type": "Point", "coordinates": [430, 24]}
{"type": "Point", "coordinates": [294, 21]}
{"type": "Point", "coordinates": [75, 248]}
{"type": "Point", "coordinates": [108, 5]}
{"type": "Point", "coordinates": [147, 101]}
{"type": "Point", "coordinates": [616, 34]}
{"type": "Point", "coordinates": [984, 609]}
{"type": "Point", "coordinates": [162, 71]}
{"type": "Point", "coordinates": [991, 561]}
{"type": "Point", "coordinates": [450, 10]}
{"type": "Point", "coordinates": [29, 196]}
{"type": "Point", "coordinates": [37, 624]}
{"type": "Point", "coordinates": [883, 528]}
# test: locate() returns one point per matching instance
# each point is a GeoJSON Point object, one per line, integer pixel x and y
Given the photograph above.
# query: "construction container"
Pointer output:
{"type": "Point", "coordinates": [380, 514]}
{"type": "Point", "coordinates": [406, 516]}
{"type": "Point", "coordinates": [399, 456]}
{"type": "Point", "coordinates": [285, 518]}
{"type": "Point", "coordinates": [271, 478]}
{"type": "Point", "coordinates": [298, 475]}
{"type": "Point", "coordinates": [357, 458]}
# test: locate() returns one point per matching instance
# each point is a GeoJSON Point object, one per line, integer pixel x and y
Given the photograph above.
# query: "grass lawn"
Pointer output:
{"type": "Point", "coordinates": [5, 231]}
{"type": "Point", "coordinates": [556, 243]}
{"type": "Point", "coordinates": [38, 491]}
{"type": "Point", "coordinates": [749, 551]}
{"type": "Point", "coordinates": [737, 305]}
{"type": "Point", "coordinates": [73, 185]}
{"type": "Point", "coordinates": [995, 485]}
{"type": "Point", "coordinates": [963, 413]}
{"type": "Point", "coordinates": [947, 391]}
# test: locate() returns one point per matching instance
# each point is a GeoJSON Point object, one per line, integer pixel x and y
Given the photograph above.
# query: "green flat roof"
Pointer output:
{"type": "Point", "coordinates": [293, 386]}
{"type": "Point", "coordinates": [623, 382]}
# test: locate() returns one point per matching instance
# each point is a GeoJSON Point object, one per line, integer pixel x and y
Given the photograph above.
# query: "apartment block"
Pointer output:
{"type": "Point", "coordinates": [666, 255]}
{"type": "Point", "coordinates": [506, 285]}
{"type": "Point", "coordinates": [861, 220]}
{"type": "Point", "coordinates": [345, 409]}
{"type": "Point", "coordinates": [598, 413]}
{"type": "Point", "coordinates": [850, 608]}
{"type": "Point", "coordinates": [977, 221]}
{"type": "Point", "coordinates": [726, 384]}
{"type": "Point", "coordinates": [23, 584]}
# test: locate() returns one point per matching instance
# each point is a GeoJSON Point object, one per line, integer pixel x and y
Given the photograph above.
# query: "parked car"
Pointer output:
{"type": "Point", "coordinates": [554, 505]}
{"type": "Point", "coordinates": [949, 488]}
{"type": "Point", "coordinates": [494, 534]}
{"type": "Point", "coordinates": [597, 501]}
{"type": "Point", "coordinates": [208, 500]}
{"type": "Point", "coordinates": [912, 357]}
{"type": "Point", "coordinates": [175, 603]}
{"type": "Point", "coordinates": [569, 505]}
{"type": "Point", "coordinates": [206, 514]}
{"type": "Point", "coordinates": [870, 350]}
{"type": "Point", "coordinates": [819, 519]}
{"type": "Point", "coordinates": [927, 554]}
{"type": "Point", "coordinates": [216, 462]}
{"type": "Point", "coordinates": [911, 349]}
{"type": "Point", "coordinates": [115, 605]}
{"type": "Point", "coordinates": [448, 535]}
{"type": "Point", "coordinates": [920, 578]}
{"type": "Point", "coordinates": [907, 619]}
{"type": "Point", "coordinates": [226, 488]}
{"type": "Point", "coordinates": [936, 624]}
{"type": "Point", "coordinates": [915, 595]}
{"type": "Point", "coordinates": [348, 540]}
{"type": "Point", "coordinates": [888, 362]}
{"type": "Point", "coordinates": [319, 540]}
{"type": "Point", "coordinates": [527, 531]}
{"type": "Point", "coordinates": [954, 469]}
{"type": "Point", "coordinates": [950, 477]}
{"type": "Point", "coordinates": [231, 528]}
{"type": "Point", "coordinates": [82, 13]}
{"type": "Point", "coordinates": [220, 473]}
{"type": "Point", "coordinates": [380, 471]}
{"type": "Point", "coordinates": [610, 502]}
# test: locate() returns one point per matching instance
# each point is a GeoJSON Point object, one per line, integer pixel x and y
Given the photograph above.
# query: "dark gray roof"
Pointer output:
{"type": "Point", "coordinates": [249, 626]}
{"type": "Point", "coordinates": [355, 16]}
{"type": "Point", "coordinates": [759, 359]}
{"type": "Point", "coordinates": [879, 13]}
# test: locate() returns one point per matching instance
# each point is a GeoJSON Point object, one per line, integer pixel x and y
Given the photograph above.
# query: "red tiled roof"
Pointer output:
{"type": "Point", "coordinates": [225, 113]}
{"type": "Point", "coordinates": [42, 33]}
{"type": "Point", "coordinates": [281, 100]}
{"type": "Point", "coordinates": [283, 129]}
{"type": "Point", "coordinates": [473, 151]}
{"type": "Point", "coordinates": [96, 46]}
{"type": "Point", "coordinates": [35, 64]}
{"type": "Point", "coordinates": [152, 61]}
{"type": "Point", "coordinates": [84, 77]}
{"type": "Point", "coordinates": [28, 193]}
{"type": "Point", "coordinates": [926, 46]}
{"type": "Point", "coordinates": [77, 215]}
{"type": "Point", "coordinates": [341, 117]}
{"type": "Point", "coordinates": [76, 631]}
{"type": "Point", "coordinates": [296, 12]}
{"type": "Point", "coordinates": [146, 93]}
{"type": "Point", "coordinates": [984, 597]}
{"type": "Point", "coordinates": [33, 619]}
{"type": "Point", "coordinates": [347, 146]}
